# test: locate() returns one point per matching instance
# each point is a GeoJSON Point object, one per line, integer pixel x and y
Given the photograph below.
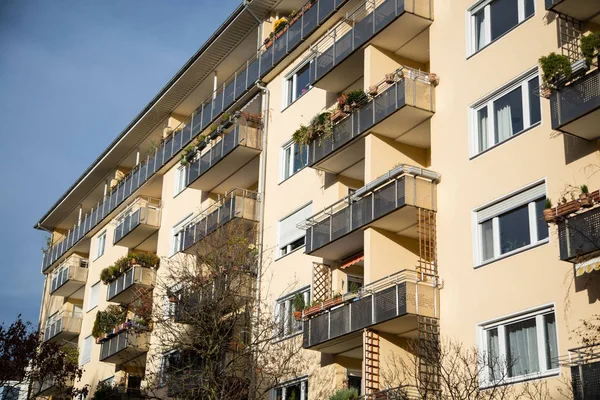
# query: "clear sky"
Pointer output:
{"type": "Point", "coordinates": [73, 74]}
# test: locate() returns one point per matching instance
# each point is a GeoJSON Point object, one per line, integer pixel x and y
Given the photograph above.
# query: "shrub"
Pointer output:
{"type": "Point", "coordinates": [106, 391]}
{"type": "Point", "coordinates": [345, 394]}
{"type": "Point", "coordinates": [298, 302]}
{"type": "Point", "coordinates": [590, 45]}
{"type": "Point", "coordinates": [279, 25]}
{"type": "Point", "coordinates": [106, 320]}
{"type": "Point", "coordinates": [554, 66]}
{"type": "Point", "coordinates": [356, 96]}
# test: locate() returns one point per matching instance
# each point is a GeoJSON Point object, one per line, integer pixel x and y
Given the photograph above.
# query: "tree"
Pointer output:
{"type": "Point", "coordinates": [24, 359]}
{"type": "Point", "coordinates": [212, 341]}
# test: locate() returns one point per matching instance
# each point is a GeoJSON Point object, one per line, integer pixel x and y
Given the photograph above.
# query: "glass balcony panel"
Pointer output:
{"type": "Point", "coordinates": [343, 47]}
{"type": "Point", "coordinates": [326, 7]}
{"type": "Point", "coordinates": [186, 135]}
{"type": "Point", "coordinates": [309, 21]}
{"type": "Point", "coordinates": [206, 114]}
{"type": "Point", "coordinates": [365, 115]}
{"type": "Point", "coordinates": [384, 14]}
{"type": "Point", "coordinates": [340, 223]}
{"type": "Point", "coordinates": [240, 83]}
{"type": "Point", "coordinates": [280, 48]}
{"type": "Point", "coordinates": [196, 126]}
{"type": "Point", "coordinates": [294, 35]}
{"type": "Point", "coordinates": [176, 142]}
{"type": "Point", "coordinates": [228, 95]}
{"type": "Point", "coordinates": [168, 146]}
{"type": "Point", "coordinates": [217, 105]}
{"type": "Point", "coordinates": [266, 61]}
{"type": "Point", "coordinates": [324, 63]}
{"type": "Point", "coordinates": [252, 73]}
{"type": "Point", "coordinates": [363, 30]}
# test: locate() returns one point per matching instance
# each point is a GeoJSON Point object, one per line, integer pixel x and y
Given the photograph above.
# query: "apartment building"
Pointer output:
{"type": "Point", "coordinates": [416, 213]}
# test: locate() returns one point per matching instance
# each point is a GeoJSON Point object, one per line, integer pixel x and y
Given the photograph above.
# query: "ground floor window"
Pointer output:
{"type": "Point", "coordinates": [292, 390]}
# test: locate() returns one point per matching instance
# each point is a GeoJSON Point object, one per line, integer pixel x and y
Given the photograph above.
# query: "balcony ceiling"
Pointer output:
{"type": "Point", "coordinates": [227, 37]}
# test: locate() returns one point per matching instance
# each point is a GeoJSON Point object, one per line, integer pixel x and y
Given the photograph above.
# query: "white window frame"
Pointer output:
{"type": "Point", "coordinates": [285, 249]}
{"type": "Point", "coordinates": [292, 75]}
{"type": "Point", "coordinates": [177, 230]}
{"type": "Point", "coordinates": [485, 5]}
{"type": "Point", "coordinates": [478, 226]}
{"type": "Point", "coordinates": [291, 146]}
{"type": "Point", "coordinates": [101, 244]}
{"type": "Point", "coordinates": [89, 341]}
{"type": "Point", "coordinates": [288, 312]}
{"type": "Point", "coordinates": [500, 323]}
{"type": "Point", "coordinates": [521, 81]}
{"type": "Point", "coordinates": [303, 381]}
{"type": "Point", "coordinates": [92, 301]}
{"type": "Point", "coordinates": [179, 181]}
{"type": "Point", "coordinates": [163, 365]}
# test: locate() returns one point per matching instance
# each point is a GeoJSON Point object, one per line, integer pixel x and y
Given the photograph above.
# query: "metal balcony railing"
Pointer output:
{"type": "Point", "coordinates": [574, 101]}
{"type": "Point", "coordinates": [64, 322]}
{"type": "Point", "coordinates": [135, 342]}
{"type": "Point", "coordinates": [403, 185]}
{"type": "Point", "coordinates": [242, 133]}
{"type": "Point", "coordinates": [313, 14]}
{"type": "Point", "coordinates": [134, 275]}
{"type": "Point", "coordinates": [74, 269]}
{"type": "Point", "coordinates": [412, 89]}
{"type": "Point", "coordinates": [144, 210]}
{"type": "Point", "coordinates": [579, 235]}
{"type": "Point", "coordinates": [360, 26]}
{"type": "Point", "coordinates": [584, 363]}
{"type": "Point", "coordinates": [238, 203]}
{"type": "Point", "coordinates": [375, 303]}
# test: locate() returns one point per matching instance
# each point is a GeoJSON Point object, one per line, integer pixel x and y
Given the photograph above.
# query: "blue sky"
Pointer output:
{"type": "Point", "coordinates": [73, 74]}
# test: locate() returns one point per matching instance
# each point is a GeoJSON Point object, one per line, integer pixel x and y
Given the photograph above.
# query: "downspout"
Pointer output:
{"type": "Point", "coordinates": [261, 217]}
{"type": "Point", "coordinates": [39, 226]}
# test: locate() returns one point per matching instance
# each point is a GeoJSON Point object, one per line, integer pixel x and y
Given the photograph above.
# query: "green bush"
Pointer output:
{"type": "Point", "coordinates": [106, 320]}
{"type": "Point", "coordinates": [320, 126]}
{"type": "Point", "coordinates": [298, 302]}
{"type": "Point", "coordinates": [590, 45]}
{"type": "Point", "coordinates": [356, 96]}
{"type": "Point", "coordinates": [345, 394]}
{"type": "Point", "coordinates": [106, 391]}
{"type": "Point", "coordinates": [554, 66]}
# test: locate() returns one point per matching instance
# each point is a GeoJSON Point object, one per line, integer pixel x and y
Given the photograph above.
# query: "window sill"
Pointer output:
{"type": "Point", "coordinates": [291, 252]}
{"type": "Point", "coordinates": [505, 141]}
{"type": "Point", "coordinates": [522, 378]}
{"type": "Point", "coordinates": [297, 98]}
{"type": "Point", "coordinates": [512, 253]}
{"type": "Point", "coordinates": [288, 337]}
{"type": "Point", "coordinates": [291, 176]}
{"type": "Point", "coordinates": [500, 37]}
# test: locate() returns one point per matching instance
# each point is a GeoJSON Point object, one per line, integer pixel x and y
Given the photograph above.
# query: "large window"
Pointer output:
{"type": "Point", "coordinates": [100, 244]}
{"type": "Point", "coordinates": [94, 296]}
{"type": "Point", "coordinates": [520, 346]}
{"type": "Point", "coordinates": [297, 83]}
{"type": "Point", "coordinates": [490, 19]}
{"type": "Point", "coordinates": [513, 223]}
{"type": "Point", "coordinates": [294, 157]}
{"type": "Point", "coordinates": [293, 390]}
{"type": "Point", "coordinates": [86, 350]}
{"type": "Point", "coordinates": [287, 325]}
{"type": "Point", "coordinates": [177, 242]}
{"type": "Point", "coordinates": [289, 236]}
{"type": "Point", "coordinates": [506, 113]}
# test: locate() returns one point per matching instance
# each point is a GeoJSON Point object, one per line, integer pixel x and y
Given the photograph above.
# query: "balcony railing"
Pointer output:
{"type": "Point", "coordinates": [69, 277]}
{"type": "Point", "coordinates": [136, 276]}
{"type": "Point", "coordinates": [363, 24]}
{"type": "Point", "coordinates": [238, 204]}
{"type": "Point", "coordinates": [576, 107]}
{"type": "Point", "coordinates": [124, 346]}
{"type": "Point", "coordinates": [340, 328]}
{"type": "Point", "coordinates": [584, 363]}
{"type": "Point", "coordinates": [581, 10]}
{"type": "Point", "coordinates": [137, 222]}
{"type": "Point", "coordinates": [413, 89]}
{"type": "Point", "coordinates": [579, 235]}
{"type": "Point", "coordinates": [402, 186]}
{"type": "Point", "coordinates": [234, 149]}
{"type": "Point", "coordinates": [64, 327]}
{"type": "Point", "coordinates": [312, 16]}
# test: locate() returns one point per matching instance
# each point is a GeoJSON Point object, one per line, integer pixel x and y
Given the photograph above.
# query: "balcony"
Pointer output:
{"type": "Point", "coordinates": [389, 202]}
{"type": "Point", "coordinates": [388, 305]}
{"type": "Point", "coordinates": [582, 10]}
{"type": "Point", "coordinates": [47, 388]}
{"type": "Point", "coordinates": [64, 327]}
{"type": "Point", "coordinates": [578, 235]}
{"type": "Point", "coordinates": [224, 160]}
{"type": "Point", "coordinates": [396, 112]}
{"type": "Point", "coordinates": [237, 205]}
{"type": "Point", "coordinates": [138, 223]}
{"type": "Point", "coordinates": [124, 346]}
{"type": "Point", "coordinates": [388, 24]}
{"type": "Point", "coordinates": [584, 363]}
{"type": "Point", "coordinates": [122, 289]}
{"type": "Point", "coordinates": [575, 108]}
{"type": "Point", "coordinates": [68, 280]}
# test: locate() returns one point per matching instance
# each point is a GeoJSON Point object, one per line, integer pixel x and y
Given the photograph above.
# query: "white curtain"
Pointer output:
{"type": "Point", "coordinates": [522, 348]}
{"type": "Point", "coordinates": [493, 354]}
{"type": "Point", "coordinates": [504, 128]}
{"type": "Point", "coordinates": [480, 29]}
{"type": "Point", "coordinates": [551, 343]}
{"type": "Point", "coordinates": [487, 239]}
{"type": "Point", "coordinates": [482, 127]}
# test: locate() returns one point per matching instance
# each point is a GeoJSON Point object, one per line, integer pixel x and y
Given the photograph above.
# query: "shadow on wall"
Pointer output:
{"type": "Point", "coordinates": [576, 148]}
{"type": "Point", "coordinates": [591, 283]}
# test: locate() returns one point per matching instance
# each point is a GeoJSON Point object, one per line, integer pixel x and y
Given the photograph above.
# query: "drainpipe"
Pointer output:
{"type": "Point", "coordinates": [261, 217]}
{"type": "Point", "coordinates": [39, 226]}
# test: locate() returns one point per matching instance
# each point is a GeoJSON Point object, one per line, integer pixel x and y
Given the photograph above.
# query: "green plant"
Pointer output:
{"type": "Point", "coordinates": [584, 189]}
{"type": "Point", "coordinates": [186, 152]}
{"type": "Point", "coordinates": [292, 14]}
{"type": "Point", "coordinates": [107, 320]}
{"type": "Point", "coordinates": [111, 273]}
{"type": "Point", "coordinates": [345, 394]}
{"type": "Point", "coordinates": [106, 391]}
{"type": "Point", "coordinates": [357, 97]}
{"type": "Point", "coordinates": [48, 245]}
{"type": "Point", "coordinates": [353, 287]}
{"type": "Point", "coordinates": [279, 25]}
{"type": "Point", "coordinates": [298, 302]}
{"type": "Point", "coordinates": [590, 44]}
{"type": "Point", "coordinates": [553, 67]}
{"type": "Point", "coordinates": [548, 203]}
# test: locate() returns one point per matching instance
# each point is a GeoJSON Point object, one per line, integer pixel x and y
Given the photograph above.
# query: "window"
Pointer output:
{"type": "Point", "coordinates": [289, 236]}
{"type": "Point", "coordinates": [355, 283]}
{"type": "Point", "coordinates": [513, 223]}
{"type": "Point", "coordinates": [354, 380]}
{"type": "Point", "coordinates": [177, 241]}
{"type": "Point", "coordinates": [284, 314]}
{"type": "Point", "coordinates": [172, 300]}
{"type": "Point", "coordinates": [508, 112]}
{"type": "Point", "coordinates": [520, 346]}
{"type": "Point", "coordinates": [94, 296]}
{"type": "Point", "coordinates": [490, 19]}
{"type": "Point", "coordinates": [86, 352]}
{"type": "Point", "coordinates": [294, 390]}
{"type": "Point", "coordinates": [100, 244]}
{"type": "Point", "coordinates": [9, 393]}
{"type": "Point", "coordinates": [297, 83]}
{"type": "Point", "coordinates": [180, 179]}
{"type": "Point", "coordinates": [293, 159]}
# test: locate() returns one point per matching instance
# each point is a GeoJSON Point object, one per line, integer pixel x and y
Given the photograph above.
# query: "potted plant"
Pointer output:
{"type": "Point", "coordinates": [268, 42]}
{"type": "Point", "coordinates": [548, 211]}
{"type": "Point", "coordinates": [356, 98]}
{"type": "Point", "coordinates": [226, 120]}
{"type": "Point", "coordinates": [299, 304]}
{"type": "Point", "coordinates": [342, 100]}
{"type": "Point", "coordinates": [279, 27]}
{"type": "Point", "coordinates": [390, 78]}
{"type": "Point", "coordinates": [337, 115]}
{"type": "Point", "coordinates": [293, 17]}
{"type": "Point", "coordinates": [555, 67]}
{"type": "Point", "coordinates": [373, 90]}
{"type": "Point", "coordinates": [584, 197]}
{"type": "Point", "coordinates": [434, 79]}
{"type": "Point", "coordinates": [590, 44]}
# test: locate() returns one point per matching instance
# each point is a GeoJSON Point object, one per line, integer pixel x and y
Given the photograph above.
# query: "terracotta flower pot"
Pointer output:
{"type": "Point", "coordinates": [434, 79]}
{"type": "Point", "coordinates": [549, 214]}
{"type": "Point", "coordinates": [298, 315]}
{"type": "Point", "coordinates": [585, 200]}
{"type": "Point", "coordinates": [390, 78]}
{"type": "Point", "coordinates": [373, 90]}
